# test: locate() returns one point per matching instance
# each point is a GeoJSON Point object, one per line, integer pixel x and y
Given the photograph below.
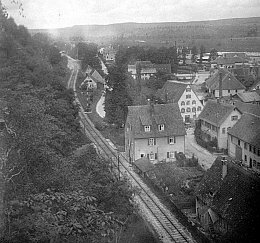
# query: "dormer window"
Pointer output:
{"type": "Point", "coordinates": [147, 128]}
{"type": "Point", "coordinates": [161, 127]}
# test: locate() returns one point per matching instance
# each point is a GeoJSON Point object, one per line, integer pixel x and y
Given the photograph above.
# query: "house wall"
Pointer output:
{"type": "Point", "coordinates": [191, 114]}
{"type": "Point", "coordinates": [227, 93]}
{"type": "Point", "coordinates": [228, 123]}
{"type": "Point", "coordinates": [247, 155]}
{"type": "Point", "coordinates": [222, 138]}
{"type": "Point", "coordinates": [140, 146]}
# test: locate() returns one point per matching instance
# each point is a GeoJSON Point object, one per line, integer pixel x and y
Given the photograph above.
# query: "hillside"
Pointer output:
{"type": "Point", "coordinates": [241, 34]}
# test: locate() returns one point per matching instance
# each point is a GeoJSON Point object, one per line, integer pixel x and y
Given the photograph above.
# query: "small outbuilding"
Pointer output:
{"type": "Point", "coordinates": [143, 166]}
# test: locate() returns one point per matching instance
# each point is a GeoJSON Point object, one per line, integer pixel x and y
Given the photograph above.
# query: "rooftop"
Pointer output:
{"type": "Point", "coordinates": [229, 81]}
{"type": "Point", "coordinates": [215, 112]}
{"type": "Point", "coordinates": [247, 129]}
{"type": "Point", "coordinates": [235, 198]}
{"type": "Point", "coordinates": [249, 96]}
{"type": "Point", "coordinates": [154, 115]}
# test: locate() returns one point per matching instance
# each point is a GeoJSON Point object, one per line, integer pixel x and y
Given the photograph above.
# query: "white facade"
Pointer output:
{"type": "Point", "coordinates": [221, 132]}
{"type": "Point", "coordinates": [161, 150]}
{"type": "Point", "coordinates": [247, 153]}
{"type": "Point", "coordinates": [189, 104]}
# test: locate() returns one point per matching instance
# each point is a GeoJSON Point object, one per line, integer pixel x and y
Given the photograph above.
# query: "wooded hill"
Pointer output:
{"type": "Point", "coordinates": [239, 34]}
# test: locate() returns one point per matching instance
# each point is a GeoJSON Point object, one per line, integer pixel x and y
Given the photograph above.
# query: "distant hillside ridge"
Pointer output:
{"type": "Point", "coordinates": [243, 34]}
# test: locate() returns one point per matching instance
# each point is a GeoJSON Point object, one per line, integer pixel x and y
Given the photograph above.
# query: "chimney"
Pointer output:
{"type": "Point", "coordinates": [224, 167]}
{"type": "Point", "coordinates": [220, 83]}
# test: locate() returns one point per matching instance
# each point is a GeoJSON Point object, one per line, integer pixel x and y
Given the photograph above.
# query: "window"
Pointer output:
{"type": "Point", "coordinates": [250, 164]}
{"type": "Point", "coordinates": [161, 127]}
{"type": "Point", "coordinates": [151, 142]}
{"type": "Point", "coordinates": [228, 90]}
{"type": "Point", "coordinates": [170, 155]}
{"type": "Point", "coordinates": [188, 89]}
{"type": "Point", "coordinates": [254, 163]}
{"type": "Point", "coordinates": [245, 158]}
{"type": "Point", "coordinates": [188, 96]}
{"type": "Point", "coordinates": [234, 118]}
{"type": "Point", "coordinates": [188, 102]}
{"type": "Point", "coordinates": [228, 129]}
{"type": "Point", "coordinates": [194, 102]}
{"type": "Point", "coordinates": [254, 149]}
{"type": "Point", "coordinates": [188, 109]}
{"type": "Point", "coordinates": [236, 90]}
{"type": "Point", "coordinates": [193, 109]}
{"type": "Point", "coordinates": [172, 140]}
{"type": "Point", "coordinates": [152, 156]}
{"type": "Point", "coordinates": [223, 130]}
{"type": "Point", "coordinates": [258, 165]}
{"type": "Point", "coordinates": [182, 110]}
{"type": "Point", "coordinates": [238, 142]}
{"type": "Point", "coordinates": [147, 128]}
{"type": "Point", "coordinates": [199, 108]}
{"type": "Point", "coordinates": [142, 155]}
{"type": "Point", "coordinates": [245, 145]}
{"type": "Point", "coordinates": [182, 103]}
{"type": "Point", "coordinates": [250, 148]}
{"type": "Point", "coordinates": [258, 152]}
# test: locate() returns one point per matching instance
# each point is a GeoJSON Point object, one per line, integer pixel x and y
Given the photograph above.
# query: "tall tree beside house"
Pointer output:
{"type": "Point", "coordinates": [184, 53]}
{"type": "Point", "coordinates": [202, 51]}
{"type": "Point", "coordinates": [194, 52]}
{"type": "Point", "coordinates": [213, 54]}
{"type": "Point", "coordinates": [117, 99]}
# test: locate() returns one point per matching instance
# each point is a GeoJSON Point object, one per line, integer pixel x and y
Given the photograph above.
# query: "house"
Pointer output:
{"type": "Point", "coordinates": [146, 69]}
{"type": "Point", "coordinates": [155, 132]}
{"type": "Point", "coordinates": [93, 79]}
{"type": "Point", "coordinates": [109, 54]}
{"type": "Point", "coordinates": [244, 141]}
{"type": "Point", "coordinates": [184, 95]}
{"type": "Point", "coordinates": [224, 83]}
{"type": "Point", "coordinates": [144, 166]}
{"type": "Point", "coordinates": [228, 62]}
{"type": "Point", "coordinates": [216, 119]}
{"type": "Point", "coordinates": [182, 74]}
{"type": "Point", "coordinates": [227, 202]}
{"type": "Point", "coordinates": [248, 97]}
{"type": "Point", "coordinates": [256, 86]}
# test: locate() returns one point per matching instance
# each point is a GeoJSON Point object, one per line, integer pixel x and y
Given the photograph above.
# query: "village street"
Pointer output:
{"type": "Point", "coordinates": [205, 158]}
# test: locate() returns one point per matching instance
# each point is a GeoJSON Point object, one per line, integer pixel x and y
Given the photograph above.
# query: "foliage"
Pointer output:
{"type": "Point", "coordinates": [117, 99]}
{"type": "Point", "coordinates": [88, 54]}
{"type": "Point", "coordinates": [52, 194]}
{"type": "Point", "coordinates": [213, 54]}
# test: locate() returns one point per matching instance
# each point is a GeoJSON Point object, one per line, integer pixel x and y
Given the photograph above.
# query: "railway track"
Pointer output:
{"type": "Point", "coordinates": [163, 221]}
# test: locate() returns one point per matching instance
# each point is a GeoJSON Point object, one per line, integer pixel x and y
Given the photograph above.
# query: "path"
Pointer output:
{"type": "Point", "coordinates": [205, 158]}
{"type": "Point", "coordinates": [100, 106]}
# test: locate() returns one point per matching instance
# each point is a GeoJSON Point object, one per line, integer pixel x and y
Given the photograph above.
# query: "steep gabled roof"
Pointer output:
{"type": "Point", "coordinates": [172, 91]}
{"type": "Point", "coordinates": [154, 115]}
{"type": "Point", "coordinates": [229, 81]}
{"type": "Point", "coordinates": [249, 96]}
{"type": "Point", "coordinates": [247, 129]}
{"type": "Point", "coordinates": [248, 108]}
{"type": "Point", "coordinates": [235, 198]}
{"type": "Point", "coordinates": [215, 112]}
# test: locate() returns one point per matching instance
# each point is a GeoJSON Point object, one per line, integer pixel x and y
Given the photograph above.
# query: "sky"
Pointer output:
{"type": "Point", "coordinates": [64, 13]}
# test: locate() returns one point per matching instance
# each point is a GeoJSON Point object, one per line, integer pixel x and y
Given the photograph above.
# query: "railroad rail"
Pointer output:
{"type": "Point", "coordinates": [163, 221]}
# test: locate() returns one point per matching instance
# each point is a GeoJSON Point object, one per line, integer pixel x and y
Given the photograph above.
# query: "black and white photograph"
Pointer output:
{"type": "Point", "coordinates": [129, 121]}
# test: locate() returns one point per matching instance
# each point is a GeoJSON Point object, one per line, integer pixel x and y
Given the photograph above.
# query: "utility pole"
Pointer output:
{"type": "Point", "coordinates": [118, 164]}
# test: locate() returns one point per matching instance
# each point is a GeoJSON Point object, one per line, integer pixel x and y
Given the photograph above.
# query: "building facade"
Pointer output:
{"type": "Point", "coordinates": [216, 120]}
{"type": "Point", "coordinates": [183, 94]}
{"type": "Point", "coordinates": [154, 131]}
{"type": "Point", "coordinates": [244, 141]}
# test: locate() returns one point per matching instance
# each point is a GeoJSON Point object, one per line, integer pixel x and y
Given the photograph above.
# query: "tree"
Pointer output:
{"type": "Point", "coordinates": [213, 54]}
{"type": "Point", "coordinates": [194, 53]}
{"type": "Point", "coordinates": [202, 51]}
{"type": "Point", "coordinates": [117, 99]}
